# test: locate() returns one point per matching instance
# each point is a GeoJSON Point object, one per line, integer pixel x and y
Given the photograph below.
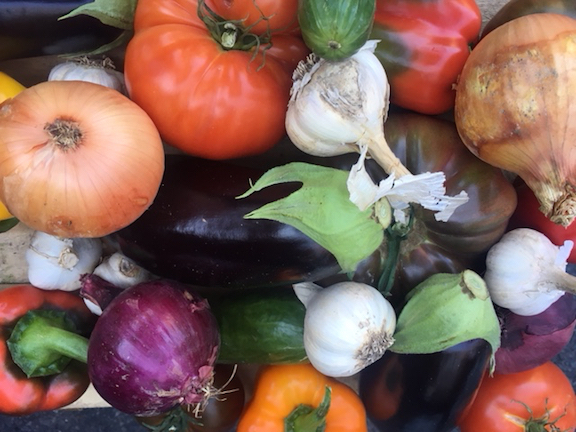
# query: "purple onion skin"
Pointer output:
{"type": "Point", "coordinates": [153, 348]}
{"type": "Point", "coordinates": [529, 341]}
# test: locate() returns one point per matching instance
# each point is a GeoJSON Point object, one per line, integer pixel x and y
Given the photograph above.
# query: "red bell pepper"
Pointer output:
{"type": "Point", "coordinates": [424, 45]}
{"type": "Point", "coordinates": [20, 394]}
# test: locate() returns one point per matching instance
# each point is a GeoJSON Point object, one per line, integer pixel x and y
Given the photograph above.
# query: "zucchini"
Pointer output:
{"type": "Point", "coordinates": [195, 231]}
{"type": "Point", "coordinates": [335, 29]}
{"type": "Point", "coordinates": [260, 326]}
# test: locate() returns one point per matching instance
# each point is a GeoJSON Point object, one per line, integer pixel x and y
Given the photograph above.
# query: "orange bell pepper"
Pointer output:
{"type": "Point", "coordinates": [298, 398]}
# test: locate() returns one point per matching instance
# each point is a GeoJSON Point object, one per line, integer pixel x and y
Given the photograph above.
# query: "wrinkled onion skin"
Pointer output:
{"type": "Point", "coordinates": [514, 106]}
{"type": "Point", "coordinates": [153, 347]}
{"type": "Point", "coordinates": [530, 341]}
{"type": "Point", "coordinates": [99, 187]}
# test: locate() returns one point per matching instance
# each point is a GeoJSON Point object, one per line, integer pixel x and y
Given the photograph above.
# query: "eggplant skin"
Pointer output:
{"type": "Point", "coordinates": [423, 392]}
{"type": "Point", "coordinates": [195, 231]}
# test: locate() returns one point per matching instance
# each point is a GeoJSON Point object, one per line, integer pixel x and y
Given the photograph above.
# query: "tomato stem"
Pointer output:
{"type": "Point", "coordinates": [231, 34]}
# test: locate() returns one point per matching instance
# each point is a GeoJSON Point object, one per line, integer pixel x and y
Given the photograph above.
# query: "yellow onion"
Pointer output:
{"type": "Point", "coordinates": [514, 106]}
{"type": "Point", "coordinates": [77, 159]}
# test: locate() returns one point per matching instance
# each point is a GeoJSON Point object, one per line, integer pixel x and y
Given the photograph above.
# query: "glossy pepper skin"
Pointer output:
{"type": "Point", "coordinates": [31, 28]}
{"type": "Point", "coordinates": [517, 8]}
{"type": "Point", "coordinates": [423, 392]}
{"type": "Point", "coordinates": [279, 389]}
{"type": "Point", "coordinates": [424, 45]}
{"type": "Point", "coordinates": [20, 395]}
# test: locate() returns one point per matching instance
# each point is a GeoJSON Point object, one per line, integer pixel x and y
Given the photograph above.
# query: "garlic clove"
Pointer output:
{"type": "Point", "coordinates": [121, 271]}
{"type": "Point", "coordinates": [57, 263]}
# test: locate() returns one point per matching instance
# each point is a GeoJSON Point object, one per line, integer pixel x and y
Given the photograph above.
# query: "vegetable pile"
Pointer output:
{"type": "Point", "coordinates": [295, 215]}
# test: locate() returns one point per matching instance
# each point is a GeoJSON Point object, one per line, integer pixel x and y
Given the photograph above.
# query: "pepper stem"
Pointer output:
{"type": "Point", "coordinates": [43, 342]}
{"type": "Point", "coordinates": [305, 418]}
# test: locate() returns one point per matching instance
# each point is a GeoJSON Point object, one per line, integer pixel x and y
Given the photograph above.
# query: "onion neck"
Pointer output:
{"type": "Point", "coordinates": [44, 341]}
{"type": "Point", "coordinates": [557, 201]}
{"type": "Point", "coordinates": [305, 418]}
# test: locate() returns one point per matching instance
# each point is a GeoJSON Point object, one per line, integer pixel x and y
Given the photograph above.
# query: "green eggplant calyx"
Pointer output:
{"type": "Point", "coordinates": [462, 311]}
{"type": "Point", "coordinates": [322, 210]}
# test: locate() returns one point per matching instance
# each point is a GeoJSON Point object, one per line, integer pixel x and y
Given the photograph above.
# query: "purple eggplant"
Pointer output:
{"type": "Point", "coordinates": [423, 392]}
{"type": "Point", "coordinates": [195, 231]}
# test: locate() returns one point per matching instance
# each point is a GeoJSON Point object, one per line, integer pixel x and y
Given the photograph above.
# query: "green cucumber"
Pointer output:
{"type": "Point", "coordinates": [260, 326]}
{"type": "Point", "coordinates": [335, 29]}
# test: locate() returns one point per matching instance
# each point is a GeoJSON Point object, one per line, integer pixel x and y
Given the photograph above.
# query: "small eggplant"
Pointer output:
{"type": "Point", "coordinates": [423, 392]}
{"type": "Point", "coordinates": [195, 231]}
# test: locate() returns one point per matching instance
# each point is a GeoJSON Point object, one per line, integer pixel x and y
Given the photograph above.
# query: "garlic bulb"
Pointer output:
{"type": "Point", "coordinates": [526, 272]}
{"type": "Point", "coordinates": [347, 326]}
{"type": "Point", "coordinates": [57, 263]}
{"type": "Point", "coordinates": [340, 107]}
{"type": "Point", "coordinates": [121, 271]}
{"type": "Point", "coordinates": [84, 69]}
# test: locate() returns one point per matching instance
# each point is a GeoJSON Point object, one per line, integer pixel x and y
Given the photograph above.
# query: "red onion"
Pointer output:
{"type": "Point", "coordinates": [529, 341]}
{"type": "Point", "coordinates": [153, 348]}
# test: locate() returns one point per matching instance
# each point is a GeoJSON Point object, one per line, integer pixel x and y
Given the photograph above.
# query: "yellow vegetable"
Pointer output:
{"type": "Point", "coordinates": [9, 87]}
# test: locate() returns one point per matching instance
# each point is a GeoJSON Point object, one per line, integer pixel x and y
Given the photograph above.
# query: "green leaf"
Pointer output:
{"type": "Point", "coordinates": [322, 210]}
{"type": "Point", "coordinates": [8, 224]}
{"type": "Point", "coordinates": [445, 310]}
{"type": "Point", "coordinates": [115, 13]}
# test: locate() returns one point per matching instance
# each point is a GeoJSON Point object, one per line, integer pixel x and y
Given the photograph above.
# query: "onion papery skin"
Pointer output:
{"type": "Point", "coordinates": [514, 106]}
{"type": "Point", "coordinates": [101, 184]}
{"type": "Point", "coordinates": [530, 341]}
{"type": "Point", "coordinates": [153, 348]}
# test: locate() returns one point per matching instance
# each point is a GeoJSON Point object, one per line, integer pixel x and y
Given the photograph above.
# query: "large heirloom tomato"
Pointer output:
{"type": "Point", "coordinates": [429, 144]}
{"type": "Point", "coordinates": [539, 399]}
{"type": "Point", "coordinates": [213, 88]}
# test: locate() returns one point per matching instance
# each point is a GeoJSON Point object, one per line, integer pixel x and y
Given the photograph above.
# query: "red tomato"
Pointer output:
{"type": "Point", "coordinates": [514, 402]}
{"type": "Point", "coordinates": [281, 14]}
{"type": "Point", "coordinates": [528, 215]}
{"type": "Point", "coordinates": [205, 100]}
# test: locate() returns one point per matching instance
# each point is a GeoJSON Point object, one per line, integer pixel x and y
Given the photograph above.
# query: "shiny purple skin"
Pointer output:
{"type": "Point", "coordinates": [153, 348]}
{"type": "Point", "coordinates": [529, 341]}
